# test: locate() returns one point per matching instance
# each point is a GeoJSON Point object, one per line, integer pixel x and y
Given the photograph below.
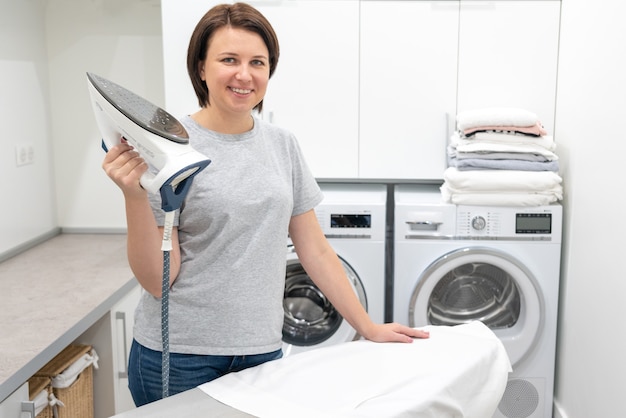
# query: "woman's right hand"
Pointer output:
{"type": "Point", "coordinates": [125, 167]}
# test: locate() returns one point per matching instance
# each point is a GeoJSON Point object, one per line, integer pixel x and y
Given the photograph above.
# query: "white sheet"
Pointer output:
{"type": "Point", "coordinates": [458, 372]}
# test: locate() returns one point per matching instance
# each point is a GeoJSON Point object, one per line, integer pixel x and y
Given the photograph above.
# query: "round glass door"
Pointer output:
{"type": "Point", "coordinates": [310, 318]}
{"type": "Point", "coordinates": [481, 284]}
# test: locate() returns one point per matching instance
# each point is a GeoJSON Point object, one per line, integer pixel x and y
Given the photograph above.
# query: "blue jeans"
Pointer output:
{"type": "Point", "coordinates": [186, 370]}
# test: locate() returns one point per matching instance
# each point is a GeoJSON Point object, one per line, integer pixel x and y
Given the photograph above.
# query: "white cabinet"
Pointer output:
{"type": "Point", "coordinates": [11, 407]}
{"type": "Point", "coordinates": [315, 90]}
{"type": "Point", "coordinates": [122, 318]}
{"type": "Point", "coordinates": [408, 72]}
{"type": "Point", "coordinates": [111, 337]}
{"type": "Point", "coordinates": [371, 88]}
{"type": "Point", "coordinates": [508, 52]}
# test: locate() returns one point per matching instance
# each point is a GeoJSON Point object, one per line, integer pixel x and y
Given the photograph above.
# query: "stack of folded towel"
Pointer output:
{"type": "Point", "coordinates": [501, 157]}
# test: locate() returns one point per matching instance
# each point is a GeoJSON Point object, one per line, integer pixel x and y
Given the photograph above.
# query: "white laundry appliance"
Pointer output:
{"type": "Point", "coordinates": [500, 265]}
{"type": "Point", "coordinates": [353, 218]}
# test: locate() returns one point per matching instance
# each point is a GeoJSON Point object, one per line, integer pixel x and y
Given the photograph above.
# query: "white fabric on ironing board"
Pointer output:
{"type": "Point", "coordinates": [495, 116]}
{"type": "Point", "coordinates": [458, 371]}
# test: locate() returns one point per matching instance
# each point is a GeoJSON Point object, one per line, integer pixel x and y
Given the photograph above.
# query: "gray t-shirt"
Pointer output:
{"type": "Point", "coordinates": [233, 228]}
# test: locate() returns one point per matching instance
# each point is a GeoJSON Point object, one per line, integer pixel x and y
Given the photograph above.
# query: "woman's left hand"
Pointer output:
{"type": "Point", "coordinates": [394, 332]}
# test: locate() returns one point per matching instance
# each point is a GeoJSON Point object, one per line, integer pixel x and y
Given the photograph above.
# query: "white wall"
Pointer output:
{"type": "Point", "coordinates": [116, 39]}
{"type": "Point", "coordinates": [591, 106]}
{"type": "Point", "coordinates": [120, 40]}
{"type": "Point", "coordinates": [27, 204]}
{"type": "Point", "coordinates": [46, 47]}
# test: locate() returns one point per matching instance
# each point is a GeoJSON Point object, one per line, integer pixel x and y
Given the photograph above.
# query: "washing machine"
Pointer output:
{"type": "Point", "coordinates": [500, 265]}
{"type": "Point", "coordinates": [353, 218]}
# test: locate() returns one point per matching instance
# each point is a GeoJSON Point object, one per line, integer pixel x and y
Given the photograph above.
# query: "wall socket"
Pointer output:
{"type": "Point", "coordinates": [24, 154]}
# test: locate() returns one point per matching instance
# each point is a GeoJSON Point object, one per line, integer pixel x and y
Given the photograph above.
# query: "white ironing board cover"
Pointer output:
{"type": "Point", "coordinates": [459, 371]}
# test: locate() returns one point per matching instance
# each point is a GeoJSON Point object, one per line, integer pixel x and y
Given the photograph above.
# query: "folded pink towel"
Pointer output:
{"type": "Point", "coordinates": [537, 129]}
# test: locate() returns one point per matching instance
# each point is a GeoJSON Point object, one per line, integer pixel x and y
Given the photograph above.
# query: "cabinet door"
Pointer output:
{"type": "Point", "coordinates": [122, 316]}
{"type": "Point", "coordinates": [508, 56]}
{"type": "Point", "coordinates": [11, 407]}
{"type": "Point", "coordinates": [408, 87]}
{"type": "Point", "coordinates": [314, 92]}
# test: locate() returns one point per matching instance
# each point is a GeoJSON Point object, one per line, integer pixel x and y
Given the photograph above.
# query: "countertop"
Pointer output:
{"type": "Point", "coordinates": [51, 294]}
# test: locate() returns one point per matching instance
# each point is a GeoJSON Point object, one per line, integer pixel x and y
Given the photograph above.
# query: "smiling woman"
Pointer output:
{"type": "Point", "coordinates": [227, 264]}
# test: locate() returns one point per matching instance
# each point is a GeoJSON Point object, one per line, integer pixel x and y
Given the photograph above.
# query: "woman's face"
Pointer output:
{"type": "Point", "coordinates": [236, 70]}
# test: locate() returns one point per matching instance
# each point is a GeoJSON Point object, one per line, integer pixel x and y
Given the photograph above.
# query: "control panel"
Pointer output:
{"type": "Point", "coordinates": [541, 223]}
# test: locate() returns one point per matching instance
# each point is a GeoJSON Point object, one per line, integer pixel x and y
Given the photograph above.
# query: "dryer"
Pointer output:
{"type": "Point", "coordinates": [500, 265]}
{"type": "Point", "coordinates": [353, 218]}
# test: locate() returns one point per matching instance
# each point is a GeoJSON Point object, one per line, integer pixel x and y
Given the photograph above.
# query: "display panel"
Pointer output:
{"type": "Point", "coordinates": [533, 223]}
{"type": "Point", "coordinates": [343, 220]}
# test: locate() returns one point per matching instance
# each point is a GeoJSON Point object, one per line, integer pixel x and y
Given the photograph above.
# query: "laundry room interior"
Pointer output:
{"type": "Point", "coordinates": [376, 93]}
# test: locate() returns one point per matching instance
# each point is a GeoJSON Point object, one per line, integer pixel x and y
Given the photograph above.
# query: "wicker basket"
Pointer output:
{"type": "Point", "coordinates": [78, 397]}
{"type": "Point", "coordinates": [36, 384]}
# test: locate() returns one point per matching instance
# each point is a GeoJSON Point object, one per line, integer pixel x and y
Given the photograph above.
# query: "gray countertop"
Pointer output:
{"type": "Point", "coordinates": [51, 294]}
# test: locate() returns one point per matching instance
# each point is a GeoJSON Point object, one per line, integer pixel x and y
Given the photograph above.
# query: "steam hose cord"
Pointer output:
{"type": "Point", "coordinates": [166, 247]}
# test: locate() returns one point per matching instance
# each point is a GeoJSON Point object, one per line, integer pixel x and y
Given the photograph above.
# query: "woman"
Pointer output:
{"type": "Point", "coordinates": [227, 266]}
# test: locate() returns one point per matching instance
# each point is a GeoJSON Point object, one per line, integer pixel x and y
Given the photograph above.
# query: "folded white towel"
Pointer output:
{"type": "Point", "coordinates": [498, 138]}
{"type": "Point", "coordinates": [502, 164]}
{"type": "Point", "coordinates": [493, 147]}
{"type": "Point", "coordinates": [505, 181]}
{"type": "Point", "coordinates": [486, 155]}
{"type": "Point", "coordinates": [495, 116]}
{"type": "Point", "coordinates": [500, 198]}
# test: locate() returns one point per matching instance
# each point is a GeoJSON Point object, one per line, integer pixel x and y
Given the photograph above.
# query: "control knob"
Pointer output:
{"type": "Point", "coordinates": [479, 223]}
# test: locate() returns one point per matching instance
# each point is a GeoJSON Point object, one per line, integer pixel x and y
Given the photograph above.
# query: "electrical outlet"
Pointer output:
{"type": "Point", "coordinates": [24, 154]}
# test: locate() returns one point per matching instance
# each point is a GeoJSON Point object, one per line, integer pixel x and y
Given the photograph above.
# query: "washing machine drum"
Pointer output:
{"type": "Point", "coordinates": [475, 291]}
{"type": "Point", "coordinates": [310, 318]}
{"type": "Point", "coordinates": [481, 284]}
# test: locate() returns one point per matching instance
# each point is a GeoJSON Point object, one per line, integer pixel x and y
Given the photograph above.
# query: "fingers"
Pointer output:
{"type": "Point", "coordinates": [115, 152]}
{"type": "Point", "coordinates": [417, 333]}
{"type": "Point", "coordinates": [394, 332]}
{"type": "Point", "coordinates": [407, 334]}
{"type": "Point", "coordinates": [124, 166]}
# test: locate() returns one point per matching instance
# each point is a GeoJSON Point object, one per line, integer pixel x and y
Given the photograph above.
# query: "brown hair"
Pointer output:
{"type": "Point", "coordinates": [238, 15]}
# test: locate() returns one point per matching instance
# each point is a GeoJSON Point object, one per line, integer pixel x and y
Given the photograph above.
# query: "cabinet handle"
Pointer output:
{"type": "Point", "coordinates": [29, 408]}
{"type": "Point", "coordinates": [122, 317]}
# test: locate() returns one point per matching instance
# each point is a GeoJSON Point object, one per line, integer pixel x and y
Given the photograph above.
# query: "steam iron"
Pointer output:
{"type": "Point", "coordinates": [159, 138]}
{"type": "Point", "coordinates": [163, 142]}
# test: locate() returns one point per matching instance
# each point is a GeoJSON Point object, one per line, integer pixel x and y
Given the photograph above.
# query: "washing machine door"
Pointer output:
{"type": "Point", "coordinates": [311, 321]}
{"type": "Point", "coordinates": [481, 284]}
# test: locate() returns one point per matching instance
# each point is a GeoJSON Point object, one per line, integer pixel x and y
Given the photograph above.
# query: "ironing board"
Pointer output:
{"type": "Point", "coordinates": [459, 371]}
